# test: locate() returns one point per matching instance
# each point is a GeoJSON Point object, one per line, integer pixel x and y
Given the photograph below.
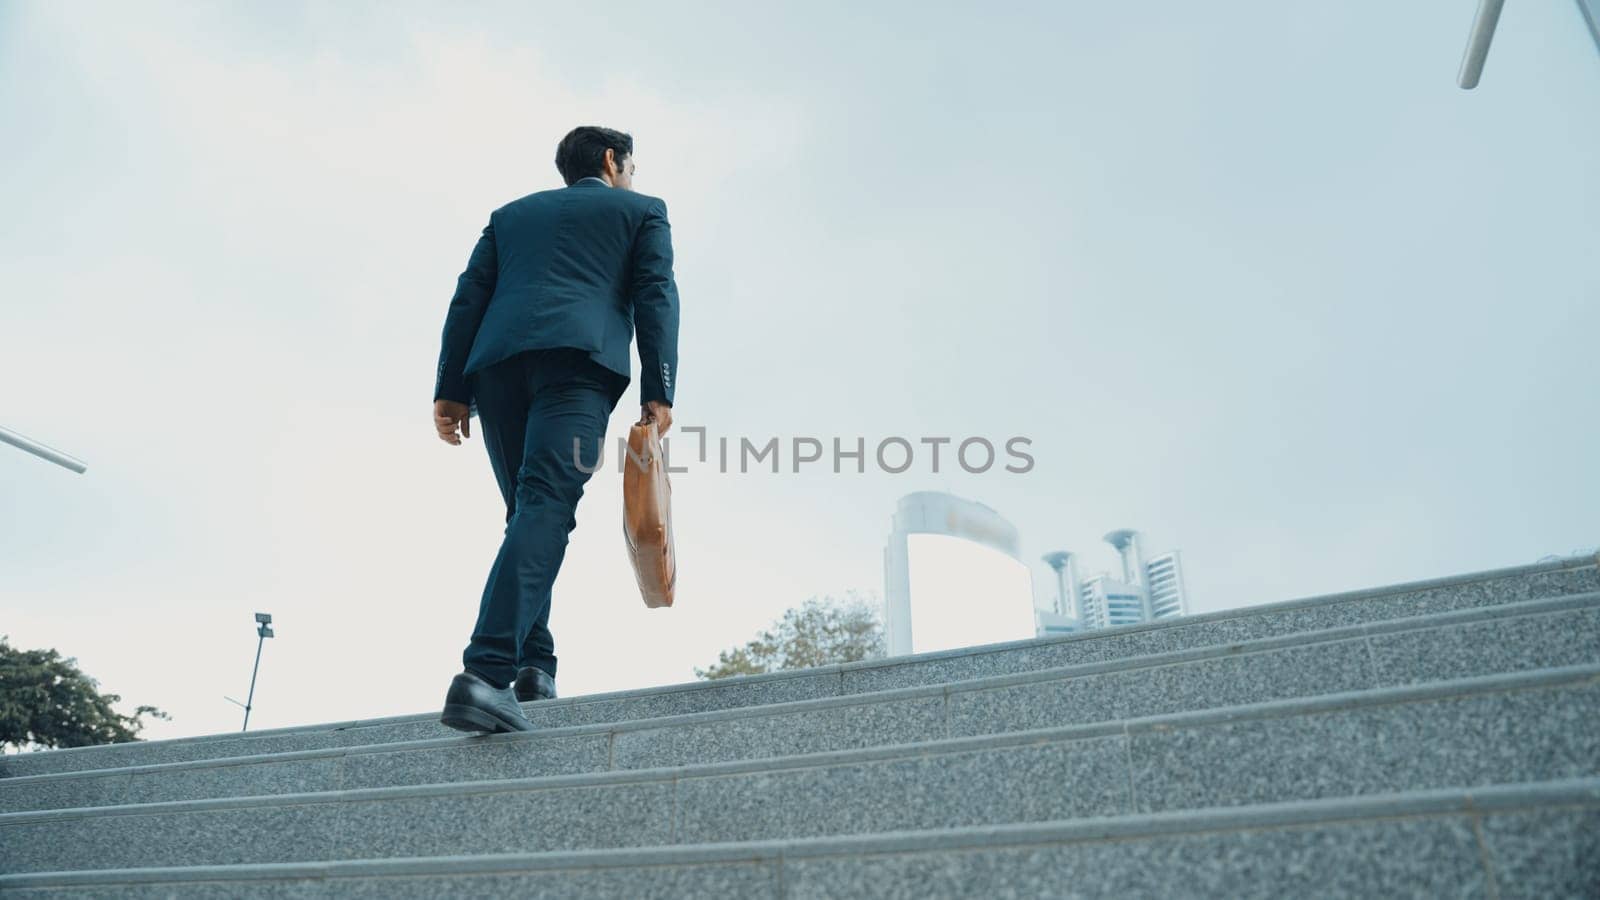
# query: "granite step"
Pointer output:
{"type": "Point", "coordinates": [1502, 729]}
{"type": "Point", "coordinates": [1511, 841]}
{"type": "Point", "coordinates": [1471, 591]}
{"type": "Point", "coordinates": [1462, 644]}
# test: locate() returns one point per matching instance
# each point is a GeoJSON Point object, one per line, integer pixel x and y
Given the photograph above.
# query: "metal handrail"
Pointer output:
{"type": "Point", "coordinates": [1478, 43]}
{"type": "Point", "coordinates": [41, 451]}
{"type": "Point", "coordinates": [1591, 16]}
{"type": "Point", "coordinates": [1483, 32]}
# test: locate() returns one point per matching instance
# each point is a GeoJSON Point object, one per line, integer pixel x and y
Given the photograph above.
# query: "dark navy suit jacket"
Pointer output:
{"type": "Point", "coordinates": [581, 266]}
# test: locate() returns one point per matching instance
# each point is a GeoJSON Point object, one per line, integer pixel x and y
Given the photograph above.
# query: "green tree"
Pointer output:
{"type": "Point", "coordinates": [816, 633]}
{"type": "Point", "coordinates": [46, 701]}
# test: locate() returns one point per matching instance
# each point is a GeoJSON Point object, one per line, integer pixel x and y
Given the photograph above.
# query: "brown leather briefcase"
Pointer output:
{"type": "Point", "coordinates": [647, 516]}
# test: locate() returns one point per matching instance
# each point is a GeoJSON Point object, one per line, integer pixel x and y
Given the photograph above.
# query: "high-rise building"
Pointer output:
{"type": "Point", "coordinates": [1167, 594]}
{"type": "Point", "coordinates": [1147, 590]}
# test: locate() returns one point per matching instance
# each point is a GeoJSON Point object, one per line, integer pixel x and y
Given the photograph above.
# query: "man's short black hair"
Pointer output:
{"type": "Point", "coordinates": [583, 151]}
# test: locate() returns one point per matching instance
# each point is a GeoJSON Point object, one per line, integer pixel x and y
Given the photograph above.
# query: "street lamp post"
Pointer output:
{"type": "Point", "coordinates": [263, 631]}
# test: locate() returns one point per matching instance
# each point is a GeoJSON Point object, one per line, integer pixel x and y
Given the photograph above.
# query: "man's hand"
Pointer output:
{"type": "Point", "coordinates": [447, 414]}
{"type": "Point", "coordinates": [659, 411]}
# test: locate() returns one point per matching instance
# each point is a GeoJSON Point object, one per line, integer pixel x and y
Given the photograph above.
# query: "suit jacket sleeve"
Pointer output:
{"type": "Point", "coordinates": [655, 306]}
{"type": "Point", "coordinates": [473, 290]}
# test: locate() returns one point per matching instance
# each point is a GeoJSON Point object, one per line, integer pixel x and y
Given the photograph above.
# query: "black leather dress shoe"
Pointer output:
{"type": "Point", "coordinates": [473, 704]}
{"type": "Point", "coordinates": [534, 683]}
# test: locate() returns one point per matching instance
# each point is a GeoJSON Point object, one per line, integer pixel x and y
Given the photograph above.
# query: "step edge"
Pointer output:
{"type": "Point", "coordinates": [1315, 600]}
{"type": "Point", "coordinates": [1373, 698]}
{"type": "Point", "coordinates": [1527, 609]}
{"type": "Point", "coordinates": [1577, 793]}
{"type": "Point", "coordinates": [1565, 563]}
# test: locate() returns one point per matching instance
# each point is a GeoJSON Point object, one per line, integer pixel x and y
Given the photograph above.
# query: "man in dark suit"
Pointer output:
{"type": "Point", "coordinates": [536, 345]}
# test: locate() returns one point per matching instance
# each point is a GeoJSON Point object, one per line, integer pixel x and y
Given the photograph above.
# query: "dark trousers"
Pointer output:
{"type": "Point", "coordinates": [532, 409]}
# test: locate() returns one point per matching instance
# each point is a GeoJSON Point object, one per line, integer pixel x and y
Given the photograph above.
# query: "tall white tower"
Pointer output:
{"type": "Point", "coordinates": [1130, 544]}
{"type": "Point", "coordinates": [1069, 597]}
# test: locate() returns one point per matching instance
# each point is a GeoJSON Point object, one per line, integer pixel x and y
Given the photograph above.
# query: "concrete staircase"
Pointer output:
{"type": "Point", "coordinates": [1438, 738]}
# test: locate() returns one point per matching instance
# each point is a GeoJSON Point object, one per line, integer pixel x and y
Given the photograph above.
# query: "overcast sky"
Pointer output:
{"type": "Point", "coordinates": [1255, 278]}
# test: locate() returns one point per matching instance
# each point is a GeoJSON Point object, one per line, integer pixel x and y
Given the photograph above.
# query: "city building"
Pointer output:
{"type": "Point", "coordinates": [955, 566]}
{"type": "Point", "coordinates": [1147, 589]}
